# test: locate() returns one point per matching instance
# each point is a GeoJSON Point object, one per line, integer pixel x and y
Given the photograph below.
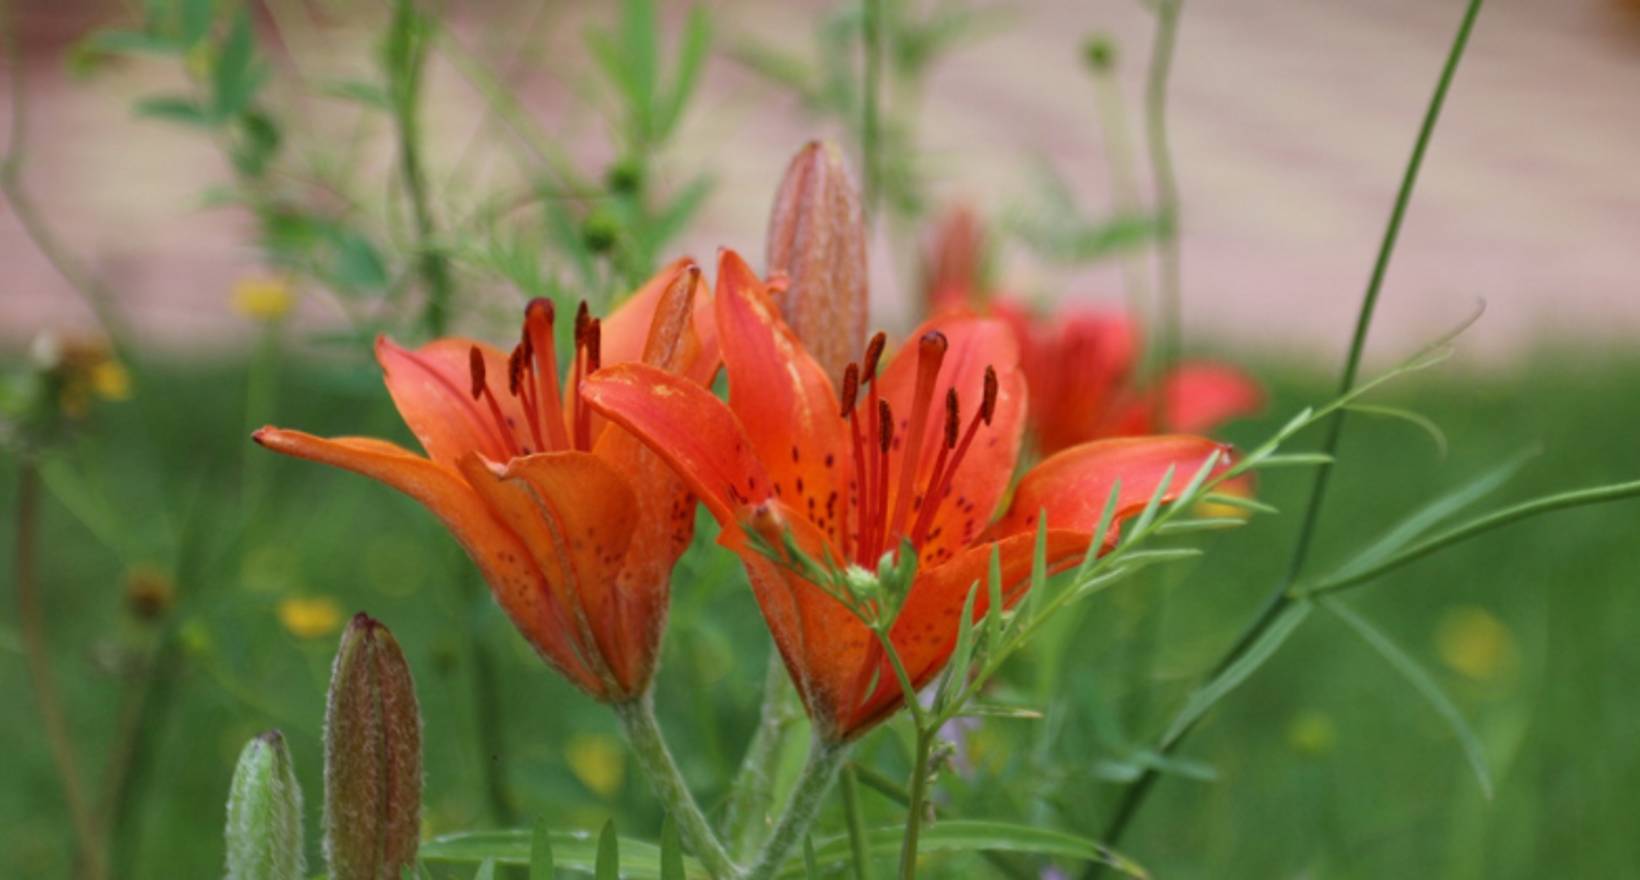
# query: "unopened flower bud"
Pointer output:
{"type": "Point", "coordinates": [265, 814]}
{"type": "Point", "coordinates": [1100, 53]}
{"type": "Point", "coordinates": [372, 758]}
{"type": "Point", "coordinates": [954, 265]}
{"type": "Point", "coordinates": [817, 237]}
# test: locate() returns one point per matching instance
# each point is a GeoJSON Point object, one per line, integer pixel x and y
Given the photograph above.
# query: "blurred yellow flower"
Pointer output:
{"type": "Point", "coordinates": [1474, 643]}
{"type": "Point", "coordinates": [310, 617]}
{"type": "Point", "coordinates": [598, 762]}
{"type": "Point", "coordinates": [80, 368]}
{"type": "Point", "coordinates": [263, 297]}
{"type": "Point", "coordinates": [1312, 732]}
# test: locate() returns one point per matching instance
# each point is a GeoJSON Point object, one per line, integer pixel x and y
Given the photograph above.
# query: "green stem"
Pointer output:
{"type": "Point", "coordinates": [813, 783]}
{"type": "Point", "coordinates": [404, 72]}
{"type": "Point", "coordinates": [1167, 335]}
{"type": "Point", "coordinates": [859, 845]}
{"type": "Point", "coordinates": [752, 797]}
{"type": "Point", "coordinates": [637, 717]}
{"type": "Point", "coordinates": [1280, 596]}
{"type": "Point", "coordinates": [914, 809]}
{"type": "Point", "coordinates": [31, 622]}
{"type": "Point", "coordinates": [1124, 179]}
{"type": "Point", "coordinates": [871, 125]}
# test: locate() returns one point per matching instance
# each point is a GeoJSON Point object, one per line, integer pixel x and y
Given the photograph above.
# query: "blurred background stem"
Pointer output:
{"type": "Point", "coordinates": [36, 651]}
{"type": "Point", "coordinates": [406, 56]}
{"type": "Point", "coordinates": [1168, 335]}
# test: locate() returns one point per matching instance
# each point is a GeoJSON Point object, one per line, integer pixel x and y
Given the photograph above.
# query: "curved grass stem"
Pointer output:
{"type": "Point", "coordinates": [1280, 596]}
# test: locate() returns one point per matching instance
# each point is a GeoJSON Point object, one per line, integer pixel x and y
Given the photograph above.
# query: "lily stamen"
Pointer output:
{"type": "Point", "coordinates": [481, 390]}
{"type": "Point", "coordinates": [931, 350]}
{"type": "Point", "coordinates": [543, 358]}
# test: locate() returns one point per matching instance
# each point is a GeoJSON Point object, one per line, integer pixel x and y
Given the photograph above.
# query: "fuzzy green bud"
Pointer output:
{"type": "Point", "coordinates": [1099, 53]}
{"type": "Point", "coordinates": [817, 237]}
{"type": "Point", "coordinates": [265, 814]}
{"type": "Point", "coordinates": [372, 758]}
{"type": "Point", "coordinates": [600, 231]}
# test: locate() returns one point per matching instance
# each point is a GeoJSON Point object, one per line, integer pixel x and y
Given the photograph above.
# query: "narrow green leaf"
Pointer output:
{"type": "Point", "coordinates": [607, 56]}
{"type": "Point", "coordinates": [671, 850]}
{"type": "Point", "coordinates": [1038, 590]}
{"type": "Point", "coordinates": [1206, 524]}
{"type": "Point", "coordinates": [1208, 696]}
{"type": "Point", "coordinates": [957, 836]}
{"type": "Point", "coordinates": [809, 865]}
{"type": "Point", "coordinates": [174, 108]}
{"type": "Point", "coordinates": [609, 855]}
{"type": "Point", "coordinates": [1406, 415]}
{"type": "Point", "coordinates": [1101, 532]}
{"type": "Point", "coordinates": [486, 870]}
{"type": "Point", "coordinates": [368, 94]}
{"type": "Point", "coordinates": [572, 851]}
{"type": "Point", "coordinates": [993, 605]}
{"type": "Point", "coordinates": [1428, 516]}
{"type": "Point", "coordinates": [118, 42]}
{"type": "Point", "coordinates": [1135, 531]}
{"type": "Point", "coordinates": [991, 710]}
{"type": "Point", "coordinates": [692, 51]}
{"type": "Point", "coordinates": [193, 21]}
{"type": "Point", "coordinates": [1239, 502]}
{"type": "Point", "coordinates": [957, 669]}
{"type": "Point", "coordinates": [541, 867]}
{"type": "Point", "coordinates": [1131, 560]}
{"type": "Point", "coordinates": [1408, 667]}
{"type": "Point", "coordinates": [1294, 459]}
{"type": "Point", "coordinates": [236, 77]}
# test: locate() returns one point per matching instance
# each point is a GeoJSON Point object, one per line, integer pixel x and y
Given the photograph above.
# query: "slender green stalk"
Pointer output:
{"type": "Point", "coordinates": [918, 798]}
{"type": "Point", "coordinates": [1167, 342]}
{"type": "Point", "coordinates": [1124, 178]}
{"type": "Point", "coordinates": [1280, 596]}
{"type": "Point", "coordinates": [31, 622]}
{"type": "Point", "coordinates": [1498, 519]}
{"type": "Point", "coordinates": [803, 807]}
{"type": "Point", "coordinates": [859, 845]}
{"type": "Point", "coordinates": [871, 125]}
{"type": "Point", "coordinates": [753, 794]}
{"type": "Point", "coordinates": [637, 718]}
{"type": "Point", "coordinates": [404, 71]}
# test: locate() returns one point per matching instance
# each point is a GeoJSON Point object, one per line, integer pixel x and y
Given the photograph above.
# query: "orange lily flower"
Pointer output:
{"type": "Point", "coordinates": [574, 524]}
{"type": "Point", "coordinates": [922, 454]}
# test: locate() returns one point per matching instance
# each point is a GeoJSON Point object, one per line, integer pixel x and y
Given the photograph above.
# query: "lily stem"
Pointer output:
{"type": "Point", "coordinates": [919, 796]}
{"type": "Point", "coordinates": [753, 794]}
{"type": "Point", "coordinates": [813, 783]}
{"type": "Point", "coordinates": [31, 621]}
{"type": "Point", "coordinates": [405, 64]}
{"type": "Point", "coordinates": [637, 717]}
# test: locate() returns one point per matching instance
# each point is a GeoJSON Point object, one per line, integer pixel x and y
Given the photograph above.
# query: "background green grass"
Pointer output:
{"type": "Point", "coordinates": [1326, 764]}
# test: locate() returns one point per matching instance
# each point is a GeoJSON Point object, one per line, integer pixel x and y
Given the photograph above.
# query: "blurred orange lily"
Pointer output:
{"type": "Point", "coordinates": [574, 524]}
{"type": "Point", "coordinates": [919, 456]}
{"type": "Point", "coordinates": [1080, 362]}
{"type": "Point", "coordinates": [1080, 366]}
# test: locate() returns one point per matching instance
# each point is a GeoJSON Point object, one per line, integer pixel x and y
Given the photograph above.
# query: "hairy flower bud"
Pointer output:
{"type": "Point", "coordinates": [372, 758]}
{"type": "Point", "coordinates": [265, 814]}
{"type": "Point", "coordinates": [817, 237]}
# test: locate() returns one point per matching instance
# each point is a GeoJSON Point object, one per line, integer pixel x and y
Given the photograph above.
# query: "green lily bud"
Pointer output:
{"type": "Point", "coordinates": [817, 237]}
{"type": "Point", "coordinates": [372, 758]}
{"type": "Point", "coordinates": [265, 814]}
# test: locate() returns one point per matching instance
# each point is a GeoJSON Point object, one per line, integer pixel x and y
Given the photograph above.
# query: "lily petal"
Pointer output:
{"type": "Point", "coordinates": [785, 404]}
{"type": "Point", "coordinates": [695, 432]}
{"type": "Point", "coordinates": [514, 579]}
{"type": "Point", "coordinates": [432, 388]}
{"type": "Point", "coordinates": [1072, 488]}
{"type": "Point", "coordinates": [576, 515]}
{"type": "Point", "coordinates": [984, 473]}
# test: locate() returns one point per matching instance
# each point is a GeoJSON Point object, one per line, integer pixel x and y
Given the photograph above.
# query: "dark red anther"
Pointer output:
{"type": "Point", "coordinates": [516, 365]}
{"type": "Point", "coordinates": [475, 359]}
{"type": "Point", "coordinates": [581, 319]}
{"type": "Point", "coordinates": [594, 344]}
{"type": "Point", "coordinates": [874, 353]}
{"type": "Point", "coordinates": [953, 417]}
{"type": "Point", "coordinates": [932, 344]}
{"type": "Point", "coordinates": [885, 426]}
{"type": "Point", "coordinates": [851, 389]}
{"type": "Point", "coordinates": [989, 407]}
{"type": "Point", "coordinates": [539, 306]}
